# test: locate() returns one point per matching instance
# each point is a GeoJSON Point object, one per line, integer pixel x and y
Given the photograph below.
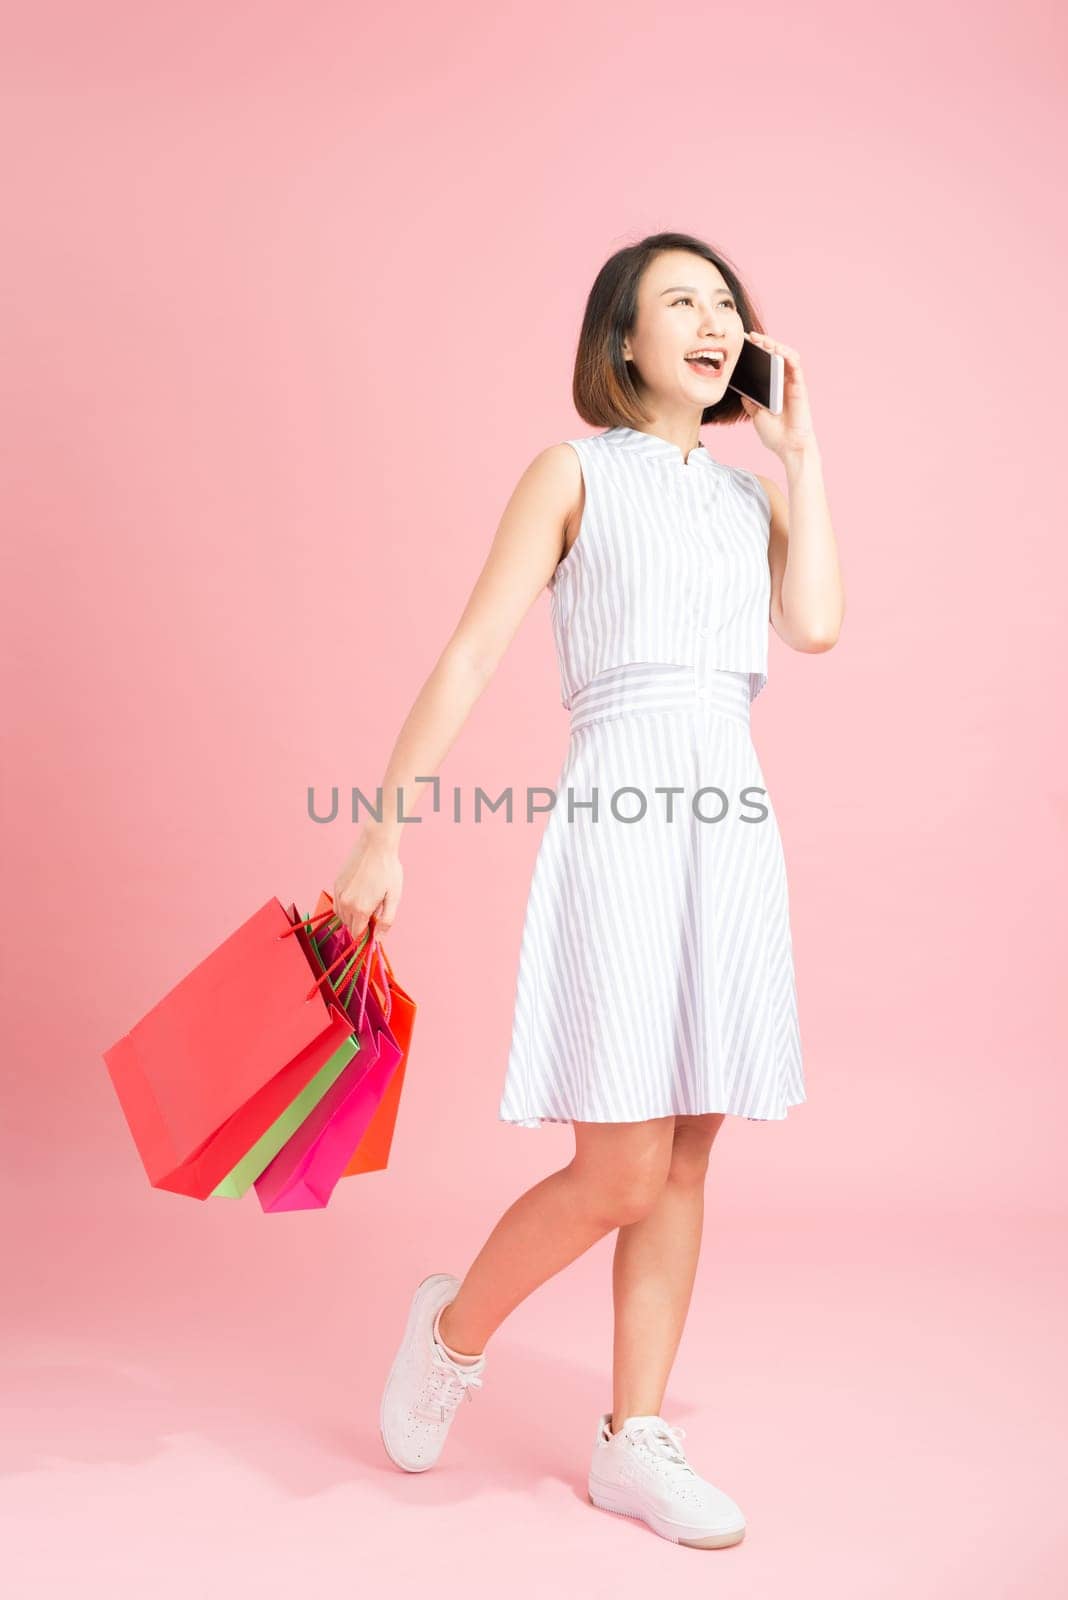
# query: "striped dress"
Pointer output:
{"type": "Point", "coordinates": [655, 973]}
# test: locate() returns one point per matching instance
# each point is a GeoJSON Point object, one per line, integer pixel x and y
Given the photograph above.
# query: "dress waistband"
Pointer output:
{"type": "Point", "coordinates": [650, 686]}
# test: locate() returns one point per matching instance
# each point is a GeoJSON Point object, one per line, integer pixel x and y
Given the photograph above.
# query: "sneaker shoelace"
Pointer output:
{"type": "Point", "coordinates": [665, 1443]}
{"type": "Point", "coordinates": [446, 1386]}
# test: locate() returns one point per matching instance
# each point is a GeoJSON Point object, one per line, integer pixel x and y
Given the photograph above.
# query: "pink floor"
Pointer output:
{"type": "Point", "coordinates": [883, 1394]}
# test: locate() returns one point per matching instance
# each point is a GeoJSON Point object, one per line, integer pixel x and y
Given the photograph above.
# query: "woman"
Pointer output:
{"type": "Point", "coordinates": [655, 992]}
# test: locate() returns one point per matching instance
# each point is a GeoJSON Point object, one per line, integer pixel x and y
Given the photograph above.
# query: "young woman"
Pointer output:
{"type": "Point", "coordinates": [655, 992]}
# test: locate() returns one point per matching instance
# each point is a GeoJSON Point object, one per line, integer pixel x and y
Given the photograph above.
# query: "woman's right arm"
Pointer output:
{"type": "Point", "coordinates": [526, 548]}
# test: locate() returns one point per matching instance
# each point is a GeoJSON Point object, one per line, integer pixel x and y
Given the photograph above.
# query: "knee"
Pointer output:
{"type": "Point", "coordinates": [692, 1147]}
{"type": "Point", "coordinates": [622, 1197]}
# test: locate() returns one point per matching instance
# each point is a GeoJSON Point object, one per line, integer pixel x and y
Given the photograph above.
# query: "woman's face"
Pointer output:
{"type": "Point", "coordinates": [683, 303]}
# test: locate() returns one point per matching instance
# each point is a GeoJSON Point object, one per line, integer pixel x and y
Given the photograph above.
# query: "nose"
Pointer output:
{"type": "Point", "coordinates": [713, 326]}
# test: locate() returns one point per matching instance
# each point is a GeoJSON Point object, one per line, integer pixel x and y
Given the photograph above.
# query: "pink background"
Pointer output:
{"type": "Point", "coordinates": [293, 299]}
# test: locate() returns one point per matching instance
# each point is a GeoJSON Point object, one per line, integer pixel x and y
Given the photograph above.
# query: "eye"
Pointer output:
{"type": "Point", "coordinates": [686, 300]}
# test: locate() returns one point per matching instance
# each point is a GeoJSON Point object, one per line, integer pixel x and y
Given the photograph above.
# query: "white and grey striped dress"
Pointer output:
{"type": "Point", "coordinates": [656, 970]}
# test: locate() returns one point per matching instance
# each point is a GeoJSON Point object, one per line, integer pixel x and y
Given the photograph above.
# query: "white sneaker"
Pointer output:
{"type": "Point", "coordinates": [425, 1385]}
{"type": "Point", "coordinates": [641, 1472]}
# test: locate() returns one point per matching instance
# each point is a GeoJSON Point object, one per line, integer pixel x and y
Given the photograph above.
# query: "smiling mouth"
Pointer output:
{"type": "Point", "coordinates": [707, 366]}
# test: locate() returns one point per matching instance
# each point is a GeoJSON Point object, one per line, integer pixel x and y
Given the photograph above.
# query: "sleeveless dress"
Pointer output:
{"type": "Point", "coordinates": [656, 972]}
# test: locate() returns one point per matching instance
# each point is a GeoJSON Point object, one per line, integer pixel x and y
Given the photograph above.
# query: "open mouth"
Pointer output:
{"type": "Point", "coordinates": [709, 362]}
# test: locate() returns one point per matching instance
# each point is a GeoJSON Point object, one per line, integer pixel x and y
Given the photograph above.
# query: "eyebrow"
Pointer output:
{"type": "Point", "coordinates": [691, 289]}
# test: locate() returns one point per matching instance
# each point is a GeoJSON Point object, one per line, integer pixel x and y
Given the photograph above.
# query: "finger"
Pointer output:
{"type": "Point", "coordinates": [774, 344]}
{"type": "Point", "coordinates": [355, 919]}
{"type": "Point", "coordinates": [389, 911]}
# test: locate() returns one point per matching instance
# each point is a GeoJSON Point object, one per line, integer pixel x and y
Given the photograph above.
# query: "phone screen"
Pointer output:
{"type": "Point", "coordinates": [758, 374]}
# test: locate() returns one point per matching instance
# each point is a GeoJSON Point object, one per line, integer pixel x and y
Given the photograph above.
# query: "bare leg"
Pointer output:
{"type": "Point", "coordinates": [616, 1174]}
{"type": "Point", "coordinates": [653, 1273]}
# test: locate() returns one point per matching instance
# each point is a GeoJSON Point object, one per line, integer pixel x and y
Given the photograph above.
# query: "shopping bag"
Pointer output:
{"type": "Point", "coordinates": [208, 1070]}
{"type": "Point", "coordinates": [241, 1177]}
{"type": "Point", "coordinates": [306, 1170]}
{"type": "Point", "coordinates": [372, 1154]}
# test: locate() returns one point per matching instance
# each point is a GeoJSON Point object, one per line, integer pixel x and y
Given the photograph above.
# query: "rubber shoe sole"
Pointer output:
{"type": "Point", "coordinates": [612, 1497]}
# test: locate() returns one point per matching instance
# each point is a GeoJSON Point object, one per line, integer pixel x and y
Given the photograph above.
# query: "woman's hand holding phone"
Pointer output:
{"type": "Point", "coordinates": [790, 429]}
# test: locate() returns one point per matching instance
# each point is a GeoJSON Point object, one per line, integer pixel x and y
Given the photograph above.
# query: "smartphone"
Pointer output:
{"type": "Point", "coordinates": [758, 374]}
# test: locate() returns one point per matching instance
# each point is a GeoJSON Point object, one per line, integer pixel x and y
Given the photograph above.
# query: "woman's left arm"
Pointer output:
{"type": "Point", "coordinates": [807, 594]}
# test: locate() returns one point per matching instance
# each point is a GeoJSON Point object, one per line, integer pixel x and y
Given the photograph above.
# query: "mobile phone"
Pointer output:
{"type": "Point", "coordinates": [758, 374]}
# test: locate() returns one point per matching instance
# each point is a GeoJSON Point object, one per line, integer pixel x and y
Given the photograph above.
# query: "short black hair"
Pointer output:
{"type": "Point", "coordinates": [602, 388]}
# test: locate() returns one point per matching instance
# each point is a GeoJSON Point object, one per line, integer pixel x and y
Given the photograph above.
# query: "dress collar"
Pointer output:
{"type": "Point", "coordinates": [654, 448]}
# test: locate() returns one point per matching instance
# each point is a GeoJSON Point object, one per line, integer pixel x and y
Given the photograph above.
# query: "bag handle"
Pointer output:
{"type": "Point", "coordinates": [353, 953]}
{"type": "Point", "coordinates": [378, 950]}
{"type": "Point", "coordinates": [370, 935]}
{"type": "Point", "coordinates": [326, 916]}
{"type": "Point", "coordinates": [383, 956]}
{"type": "Point", "coordinates": [346, 955]}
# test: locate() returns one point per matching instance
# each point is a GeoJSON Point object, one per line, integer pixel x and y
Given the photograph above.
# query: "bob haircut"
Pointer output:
{"type": "Point", "coordinates": [603, 390]}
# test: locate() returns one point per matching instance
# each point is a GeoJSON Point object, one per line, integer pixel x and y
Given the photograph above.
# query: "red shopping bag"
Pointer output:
{"type": "Point", "coordinates": [211, 1067]}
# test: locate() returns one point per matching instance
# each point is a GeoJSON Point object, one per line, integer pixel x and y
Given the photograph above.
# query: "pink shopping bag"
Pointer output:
{"type": "Point", "coordinates": [305, 1172]}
